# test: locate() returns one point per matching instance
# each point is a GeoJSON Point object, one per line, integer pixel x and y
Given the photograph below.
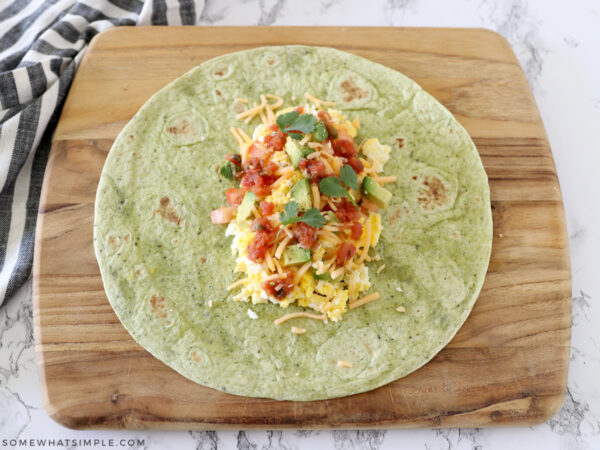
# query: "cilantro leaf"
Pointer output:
{"type": "Point", "coordinates": [320, 133]}
{"type": "Point", "coordinates": [296, 136]}
{"type": "Point", "coordinates": [311, 217]}
{"type": "Point", "coordinates": [304, 123]}
{"type": "Point", "coordinates": [289, 214]}
{"type": "Point", "coordinates": [295, 124]}
{"type": "Point", "coordinates": [332, 187]}
{"type": "Point", "coordinates": [285, 120]}
{"type": "Point", "coordinates": [349, 177]}
{"type": "Point", "coordinates": [227, 171]}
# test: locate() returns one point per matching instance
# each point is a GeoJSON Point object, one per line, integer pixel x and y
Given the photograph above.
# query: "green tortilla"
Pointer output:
{"type": "Point", "coordinates": [162, 260]}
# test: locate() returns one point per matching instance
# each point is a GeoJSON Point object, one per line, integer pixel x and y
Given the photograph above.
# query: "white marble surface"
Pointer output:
{"type": "Point", "coordinates": [558, 46]}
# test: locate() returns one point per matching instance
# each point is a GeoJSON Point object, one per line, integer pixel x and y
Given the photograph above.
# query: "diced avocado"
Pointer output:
{"type": "Point", "coordinates": [294, 254]}
{"type": "Point", "coordinates": [293, 150]}
{"type": "Point", "coordinates": [306, 151]}
{"type": "Point", "coordinates": [331, 217]}
{"type": "Point", "coordinates": [301, 194]}
{"type": "Point", "coordinates": [324, 276]}
{"type": "Point", "coordinates": [296, 152]}
{"type": "Point", "coordinates": [376, 193]}
{"type": "Point", "coordinates": [245, 207]}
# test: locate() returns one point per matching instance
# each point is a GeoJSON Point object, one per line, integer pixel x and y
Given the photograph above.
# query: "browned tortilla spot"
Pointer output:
{"type": "Point", "coordinates": [195, 356]}
{"type": "Point", "coordinates": [127, 237]}
{"type": "Point", "coordinates": [113, 242]}
{"type": "Point", "coordinates": [239, 108]}
{"type": "Point", "coordinates": [167, 211]}
{"type": "Point", "coordinates": [219, 93]}
{"type": "Point", "coordinates": [433, 193]}
{"type": "Point", "coordinates": [271, 62]}
{"type": "Point", "coordinates": [400, 142]}
{"type": "Point", "coordinates": [158, 305]}
{"type": "Point", "coordinates": [353, 90]}
{"type": "Point", "coordinates": [222, 71]}
{"type": "Point", "coordinates": [203, 260]}
{"type": "Point", "coordinates": [182, 127]}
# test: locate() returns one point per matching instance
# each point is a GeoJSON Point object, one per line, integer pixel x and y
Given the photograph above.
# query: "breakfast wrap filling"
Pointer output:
{"type": "Point", "coordinates": [305, 213]}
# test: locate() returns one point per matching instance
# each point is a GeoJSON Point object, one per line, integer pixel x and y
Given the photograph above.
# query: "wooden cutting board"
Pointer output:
{"type": "Point", "coordinates": [508, 363]}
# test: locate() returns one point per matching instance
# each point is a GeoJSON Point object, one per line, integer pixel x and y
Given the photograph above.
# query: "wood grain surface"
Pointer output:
{"type": "Point", "coordinates": [508, 363]}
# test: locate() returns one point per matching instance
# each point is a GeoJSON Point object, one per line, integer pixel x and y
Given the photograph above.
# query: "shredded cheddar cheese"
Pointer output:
{"type": "Point", "coordinates": [297, 330]}
{"type": "Point", "coordinates": [238, 283]}
{"type": "Point", "coordinates": [363, 301]}
{"type": "Point", "coordinates": [346, 364]}
{"type": "Point", "coordinates": [296, 315]}
{"type": "Point", "coordinates": [317, 101]}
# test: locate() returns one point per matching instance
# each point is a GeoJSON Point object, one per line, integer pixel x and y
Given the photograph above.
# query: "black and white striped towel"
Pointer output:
{"type": "Point", "coordinates": [41, 45]}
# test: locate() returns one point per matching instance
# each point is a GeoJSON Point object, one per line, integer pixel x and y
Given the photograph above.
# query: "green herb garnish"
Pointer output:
{"type": "Point", "coordinates": [311, 217]}
{"type": "Point", "coordinates": [349, 177]}
{"type": "Point", "coordinates": [227, 171]}
{"type": "Point", "coordinates": [320, 133]}
{"type": "Point", "coordinates": [332, 186]}
{"type": "Point", "coordinates": [290, 215]}
{"type": "Point", "coordinates": [295, 124]}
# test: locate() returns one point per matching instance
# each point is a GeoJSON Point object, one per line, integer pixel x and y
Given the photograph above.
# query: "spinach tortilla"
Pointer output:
{"type": "Point", "coordinates": [166, 267]}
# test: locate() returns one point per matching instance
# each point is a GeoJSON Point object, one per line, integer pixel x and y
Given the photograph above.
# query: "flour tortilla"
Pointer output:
{"type": "Point", "coordinates": [164, 263]}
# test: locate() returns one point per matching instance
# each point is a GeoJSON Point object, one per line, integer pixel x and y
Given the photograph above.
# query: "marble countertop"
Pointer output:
{"type": "Point", "coordinates": [557, 46]}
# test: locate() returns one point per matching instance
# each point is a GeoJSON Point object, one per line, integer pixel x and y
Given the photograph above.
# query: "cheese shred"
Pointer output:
{"type": "Point", "coordinates": [317, 101]}
{"type": "Point", "coordinates": [363, 301]}
{"type": "Point", "coordinates": [346, 364]}
{"type": "Point", "coordinates": [297, 330]}
{"type": "Point", "coordinates": [297, 315]}
{"type": "Point", "coordinates": [238, 283]}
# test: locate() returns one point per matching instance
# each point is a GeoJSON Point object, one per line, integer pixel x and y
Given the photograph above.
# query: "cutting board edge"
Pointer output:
{"type": "Point", "coordinates": [61, 417]}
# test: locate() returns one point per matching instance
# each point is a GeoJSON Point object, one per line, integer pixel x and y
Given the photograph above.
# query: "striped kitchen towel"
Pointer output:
{"type": "Point", "coordinates": [41, 45]}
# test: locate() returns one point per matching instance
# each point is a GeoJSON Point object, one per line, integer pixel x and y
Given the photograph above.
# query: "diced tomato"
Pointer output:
{"type": "Point", "coordinates": [279, 288]}
{"type": "Point", "coordinates": [305, 234]}
{"type": "Point", "coordinates": [235, 196]}
{"type": "Point", "coordinates": [355, 163]}
{"type": "Point", "coordinates": [275, 140]}
{"type": "Point", "coordinates": [259, 151]}
{"type": "Point", "coordinates": [259, 246]}
{"type": "Point", "coordinates": [347, 212]}
{"type": "Point", "coordinates": [266, 208]}
{"type": "Point", "coordinates": [261, 224]}
{"type": "Point", "coordinates": [253, 163]}
{"type": "Point", "coordinates": [368, 206]}
{"type": "Point", "coordinates": [345, 253]}
{"type": "Point", "coordinates": [235, 159]}
{"type": "Point", "coordinates": [344, 146]}
{"type": "Point", "coordinates": [356, 230]}
{"type": "Point", "coordinates": [314, 168]}
{"type": "Point", "coordinates": [300, 109]}
{"type": "Point", "coordinates": [222, 215]}
{"type": "Point", "coordinates": [326, 118]}
{"type": "Point", "coordinates": [269, 170]}
{"type": "Point", "coordinates": [254, 182]}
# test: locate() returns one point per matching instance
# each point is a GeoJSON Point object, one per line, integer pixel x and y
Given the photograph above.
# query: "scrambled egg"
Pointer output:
{"type": "Point", "coordinates": [341, 123]}
{"type": "Point", "coordinates": [376, 152]}
{"type": "Point", "coordinates": [374, 220]}
{"type": "Point", "coordinates": [280, 196]}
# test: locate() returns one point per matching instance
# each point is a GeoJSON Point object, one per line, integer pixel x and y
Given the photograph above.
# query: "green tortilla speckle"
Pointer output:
{"type": "Point", "coordinates": [163, 261]}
